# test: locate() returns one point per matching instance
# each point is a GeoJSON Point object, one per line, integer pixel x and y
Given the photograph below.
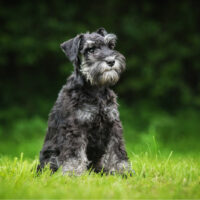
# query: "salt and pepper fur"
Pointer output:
{"type": "Point", "coordinates": [84, 128]}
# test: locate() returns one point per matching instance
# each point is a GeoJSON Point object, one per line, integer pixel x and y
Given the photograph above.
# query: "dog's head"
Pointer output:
{"type": "Point", "coordinates": [95, 58]}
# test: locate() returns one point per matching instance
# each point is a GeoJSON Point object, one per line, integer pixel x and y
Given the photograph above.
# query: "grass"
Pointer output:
{"type": "Point", "coordinates": [157, 176]}
{"type": "Point", "coordinates": [152, 137]}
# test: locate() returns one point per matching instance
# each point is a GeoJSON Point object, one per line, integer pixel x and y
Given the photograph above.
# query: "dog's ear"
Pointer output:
{"type": "Point", "coordinates": [71, 47]}
{"type": "Point", "coordinates": [102, 31]}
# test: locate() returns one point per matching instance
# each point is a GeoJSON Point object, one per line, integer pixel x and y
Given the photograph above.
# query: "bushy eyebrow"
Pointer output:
{"type": "Point", "coordinates": [110, 38]}
{"type": "Point", "coordinates": [88, 44]}
{"type": "Point", "coordinates": [91, 43]}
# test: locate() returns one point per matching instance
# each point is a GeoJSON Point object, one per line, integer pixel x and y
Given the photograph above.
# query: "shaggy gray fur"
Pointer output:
{"type": "Point", "coordinates": [84, 129]}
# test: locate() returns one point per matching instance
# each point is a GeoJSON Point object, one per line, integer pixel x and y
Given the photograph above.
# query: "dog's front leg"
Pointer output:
{"type": "Point", "coordinates": [73, 155]}
{"type": "Point", "coordinates": [115, 159]}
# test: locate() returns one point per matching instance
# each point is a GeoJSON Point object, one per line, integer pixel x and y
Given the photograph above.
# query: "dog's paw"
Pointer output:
{"type": "Point", "coordinates": [130, 173]}
{"type": "Point", "coordinates": [74, 168]}
{"type": "Point", "coordinates": [124, 173]}
{"type": "Point", "coordinates": [113, 173]}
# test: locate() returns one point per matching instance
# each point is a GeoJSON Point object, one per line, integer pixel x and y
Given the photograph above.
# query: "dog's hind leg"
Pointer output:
{"type": "Point", "coordinates": [50, 151]}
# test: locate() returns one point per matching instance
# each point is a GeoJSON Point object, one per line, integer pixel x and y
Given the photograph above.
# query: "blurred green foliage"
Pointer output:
{"type": "Point", "coordinates": [160, 40]}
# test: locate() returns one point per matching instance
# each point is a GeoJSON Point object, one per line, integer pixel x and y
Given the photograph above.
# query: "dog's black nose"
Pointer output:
{"type": "Point", "coordinates": [110, 63]}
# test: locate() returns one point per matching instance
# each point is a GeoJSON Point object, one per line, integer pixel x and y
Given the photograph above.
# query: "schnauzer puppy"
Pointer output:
{"type": "Point", "coordinates": [84, 128]}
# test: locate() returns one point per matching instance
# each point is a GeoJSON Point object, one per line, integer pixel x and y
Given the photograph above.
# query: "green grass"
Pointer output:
{"type": "Point", "coordinates": [157, 176]}
{"type": "Point", "coordinates": [151, 136]}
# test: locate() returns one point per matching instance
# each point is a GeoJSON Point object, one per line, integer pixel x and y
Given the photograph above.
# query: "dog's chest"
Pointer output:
{"type": "Point", "coordinates": [91, 113]}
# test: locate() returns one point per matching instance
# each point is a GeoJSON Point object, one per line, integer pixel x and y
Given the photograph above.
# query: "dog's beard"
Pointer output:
{"type": "Point", "coordinates": [107, 75]}
{"type": "Point", "coordinates": [99, 73]}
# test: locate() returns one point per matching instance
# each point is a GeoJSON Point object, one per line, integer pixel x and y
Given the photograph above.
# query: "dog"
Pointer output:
{"type": "Point", "coordinates": [84, 129]}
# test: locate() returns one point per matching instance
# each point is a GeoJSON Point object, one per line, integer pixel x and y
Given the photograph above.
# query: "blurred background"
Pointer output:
{"type": "Point", "coordinates": [159, 94]}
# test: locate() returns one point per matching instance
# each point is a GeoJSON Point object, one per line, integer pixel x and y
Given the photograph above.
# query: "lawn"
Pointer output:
{"type": "Point", "coordinates": [167, 175]}
{"type": "Point", "coordinates": [165, 157]}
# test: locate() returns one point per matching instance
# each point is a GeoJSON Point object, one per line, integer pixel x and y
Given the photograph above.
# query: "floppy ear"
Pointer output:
{"type": "Point", "coordinates": [101, 31]}
{"type": "Point", "coordinates": [71, 47]}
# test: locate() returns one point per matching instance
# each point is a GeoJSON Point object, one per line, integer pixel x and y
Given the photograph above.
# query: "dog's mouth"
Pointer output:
{"type": "Point", "coordinates": [106, 68]}
{"type": "Point", "coordinates": [109, 77]}
{"type": "Point", "coordinates": [108, 71]}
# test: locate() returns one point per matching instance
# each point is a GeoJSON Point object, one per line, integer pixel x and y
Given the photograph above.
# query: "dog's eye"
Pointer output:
{"type": "Point", "coordinates": [91, 50]}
